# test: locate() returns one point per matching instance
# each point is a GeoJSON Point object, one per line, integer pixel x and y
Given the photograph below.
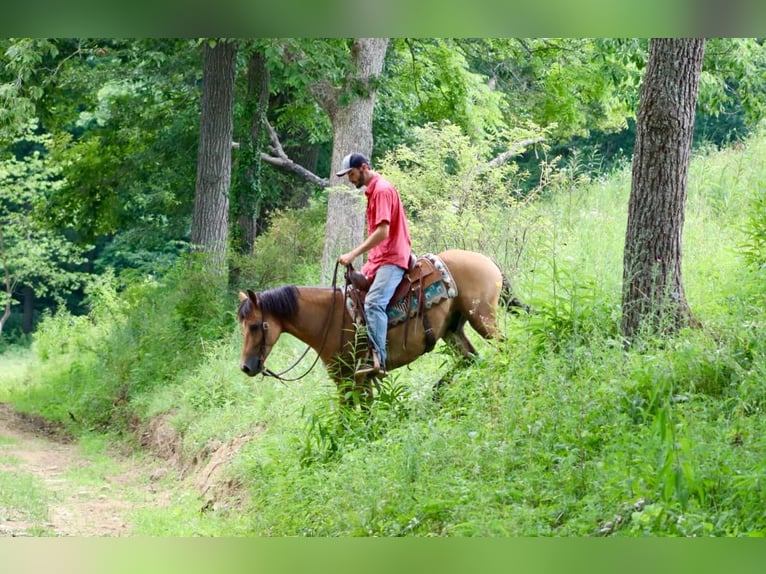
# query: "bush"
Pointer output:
{"type": "Point", "coordinates": [13, 334]}
{"type": "Point", "coordinates": [289, 252]}
{"type": "Point", "coordinates": [130, 342]}
{"type": "Point", "coordinates": [753, 247]}
{"type": "Point", "coordinates": [454, 199]}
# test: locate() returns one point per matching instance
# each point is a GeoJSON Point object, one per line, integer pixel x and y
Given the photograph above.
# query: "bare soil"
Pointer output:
{"type": "Point", "coordinates": [37, 447]}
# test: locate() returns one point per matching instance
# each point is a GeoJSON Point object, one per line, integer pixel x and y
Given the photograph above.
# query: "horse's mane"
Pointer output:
{"type": "Point", "coordinates": [280, 302]}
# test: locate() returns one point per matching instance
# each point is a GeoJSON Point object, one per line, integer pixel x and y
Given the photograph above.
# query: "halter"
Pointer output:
{"type": "Point", "coordinates": [265, 326]}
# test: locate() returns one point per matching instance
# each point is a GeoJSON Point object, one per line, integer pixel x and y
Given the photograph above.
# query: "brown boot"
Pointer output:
{"type": "Point", "coordinates": [371, 366]}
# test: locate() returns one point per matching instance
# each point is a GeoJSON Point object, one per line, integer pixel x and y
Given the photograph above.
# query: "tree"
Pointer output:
{"type": "Point", "coordinates": [210, 223]}
{"type": "Point", "coordinates": [22, 81]}
{"type": "Point", "coordinates": [124, 120]}
{"type": "Point", "coordinates": [256, 108]}
{"type": "Point", "coordinates": [341, 77]}
{"type": "Point", "coordinates": [350, 109]}
{"type": "Point", "coordinates": [653, 291]}
{"type": "Point", "coordinates": [34, 260]}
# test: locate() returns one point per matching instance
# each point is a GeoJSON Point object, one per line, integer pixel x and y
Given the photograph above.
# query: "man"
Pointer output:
{"type": "Point", "coordinates": [389, 246]}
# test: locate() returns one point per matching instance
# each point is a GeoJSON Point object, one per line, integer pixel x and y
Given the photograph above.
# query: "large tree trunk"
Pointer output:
{"type": "Point", "coordinates": [209, 231]}
{"type": "Point", "coordinates": [653, 293]}
{"type": "Point", "coordinates": [249, 198]}
{"type": "Point", "coordinates": [352, 131]}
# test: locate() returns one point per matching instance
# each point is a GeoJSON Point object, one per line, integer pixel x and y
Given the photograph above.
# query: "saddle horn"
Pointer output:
{"type": "Point", "coordinates": [357, 278]}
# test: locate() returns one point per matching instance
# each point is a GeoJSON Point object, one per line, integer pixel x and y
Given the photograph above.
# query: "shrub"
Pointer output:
{"type": "Point", "coordinates": [455, 199]}
{"type": "Point", "coordinates": [130, 342]}
{"type": "Point", "coordinates": [753, 247]}
{"type": "Point", "coordinates": [289, 252]}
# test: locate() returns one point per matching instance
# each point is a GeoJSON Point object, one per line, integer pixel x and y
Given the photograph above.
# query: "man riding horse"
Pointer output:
{"type": "Point", "coordinates": [389, 246]}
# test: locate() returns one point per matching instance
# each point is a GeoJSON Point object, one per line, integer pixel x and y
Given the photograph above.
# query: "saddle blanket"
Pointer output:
{"type": "Point", "coordinates": [397, 311]}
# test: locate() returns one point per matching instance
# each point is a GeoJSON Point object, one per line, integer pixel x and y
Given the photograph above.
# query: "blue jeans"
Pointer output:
{"type": "Point", "coordinates": [386, 281]}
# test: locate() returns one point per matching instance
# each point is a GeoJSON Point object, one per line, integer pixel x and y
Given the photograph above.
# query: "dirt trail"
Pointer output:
{"type": "Point", "coordinates": [99, 507]}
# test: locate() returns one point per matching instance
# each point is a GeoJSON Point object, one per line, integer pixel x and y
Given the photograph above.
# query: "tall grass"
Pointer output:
{"type": "Point", "coordinates": [91, 367]}
{"type": "Point", "coordinates": [558, 430]}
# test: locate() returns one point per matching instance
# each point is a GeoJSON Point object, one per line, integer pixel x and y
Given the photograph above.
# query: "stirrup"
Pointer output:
{"type": "Point", "coordinates": [371, 367]}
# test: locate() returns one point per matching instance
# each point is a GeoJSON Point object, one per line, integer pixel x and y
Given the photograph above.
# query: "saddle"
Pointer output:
{"type": "Point", "coordinates": [426, 282]}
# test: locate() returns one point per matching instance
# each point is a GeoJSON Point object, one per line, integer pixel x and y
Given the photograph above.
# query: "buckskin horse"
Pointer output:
{"type": "Point", "coordinates": [441, 295]}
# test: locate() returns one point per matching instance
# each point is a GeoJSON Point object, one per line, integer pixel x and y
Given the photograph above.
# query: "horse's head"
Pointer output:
{"type": "Point", "coordinates": [258, 334]}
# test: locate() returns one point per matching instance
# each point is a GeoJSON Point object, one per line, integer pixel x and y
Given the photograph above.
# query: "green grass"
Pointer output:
{"type": "Point", "coordinates": [557, 431]}
{"type": "Point", "coordinates": [14, 371]}
{"type": "Point", "coordinates": [23, 498]}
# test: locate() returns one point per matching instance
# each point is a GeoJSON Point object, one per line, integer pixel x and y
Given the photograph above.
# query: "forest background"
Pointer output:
{"type": "Point", "coordinates": [101, 143]}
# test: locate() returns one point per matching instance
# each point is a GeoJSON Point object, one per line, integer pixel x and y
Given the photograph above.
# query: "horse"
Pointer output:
{"type": "Point", "coordinates": [318, 316]}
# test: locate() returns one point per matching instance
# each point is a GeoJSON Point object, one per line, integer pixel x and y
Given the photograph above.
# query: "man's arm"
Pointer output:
{"type": "Point", "coordinates": [373, 239]}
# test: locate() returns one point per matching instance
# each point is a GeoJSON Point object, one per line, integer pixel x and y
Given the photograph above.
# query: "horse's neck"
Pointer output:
{"type": "Point", "coordinates": [313, 323]}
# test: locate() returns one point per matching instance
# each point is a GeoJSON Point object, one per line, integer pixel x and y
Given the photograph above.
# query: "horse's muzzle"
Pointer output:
{"type": "Point", "coordinates": [252, 367]}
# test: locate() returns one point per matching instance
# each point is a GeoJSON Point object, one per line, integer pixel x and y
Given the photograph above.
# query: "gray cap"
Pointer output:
{"type": "Point", "coordinates": [351, 161]}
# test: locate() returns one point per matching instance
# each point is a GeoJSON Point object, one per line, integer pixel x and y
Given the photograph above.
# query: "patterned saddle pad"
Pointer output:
{"type": "Point", "coordinates": [429, 276]}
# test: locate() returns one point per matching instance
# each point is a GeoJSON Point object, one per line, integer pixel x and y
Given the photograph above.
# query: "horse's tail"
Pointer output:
{"type": "Point", "coordinates": [509, 300]}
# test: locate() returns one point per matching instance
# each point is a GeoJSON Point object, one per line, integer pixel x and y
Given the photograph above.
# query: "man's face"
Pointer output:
{"type": "Point", "coordinates": [356, 177]}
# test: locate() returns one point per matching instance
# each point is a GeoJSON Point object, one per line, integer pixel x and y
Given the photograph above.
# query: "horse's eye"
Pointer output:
{"type": "Point", "coordinates": [254, 327]}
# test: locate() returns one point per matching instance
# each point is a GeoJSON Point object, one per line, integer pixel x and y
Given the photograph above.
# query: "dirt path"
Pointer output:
{"type": "Point", "coordinates": [97, 505]}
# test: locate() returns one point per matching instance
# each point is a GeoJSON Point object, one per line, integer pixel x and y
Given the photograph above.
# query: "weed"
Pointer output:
{"type": "Point", "coordinates": [557, 430]}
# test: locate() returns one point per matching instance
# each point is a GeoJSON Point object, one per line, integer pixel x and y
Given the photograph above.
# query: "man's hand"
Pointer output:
{"type": "Point", "coordinates": [373, 239]}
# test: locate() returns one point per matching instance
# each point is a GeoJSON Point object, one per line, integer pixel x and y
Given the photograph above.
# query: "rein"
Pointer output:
{"type": "Point", "coordinates": [269, 373]}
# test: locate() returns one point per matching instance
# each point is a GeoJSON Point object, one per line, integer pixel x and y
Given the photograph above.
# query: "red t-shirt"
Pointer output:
{"type": "Point", "coordinates": [385, 205]}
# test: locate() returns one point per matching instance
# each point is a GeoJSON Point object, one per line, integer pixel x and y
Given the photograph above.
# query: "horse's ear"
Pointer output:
{"type": "Point", "coordinates": [253, 297]}
{"type": "Point", "coordinates": [242, 296]}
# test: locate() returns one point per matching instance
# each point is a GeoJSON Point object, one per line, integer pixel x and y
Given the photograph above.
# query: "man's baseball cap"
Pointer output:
{"type": "Point", "coordinates": [351, 161]}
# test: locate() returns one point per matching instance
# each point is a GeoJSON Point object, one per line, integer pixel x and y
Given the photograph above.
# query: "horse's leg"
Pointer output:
{"type": "Point", "coordinates": [458, 342]}
{"type": "Point", "coordinates": [483, 319]}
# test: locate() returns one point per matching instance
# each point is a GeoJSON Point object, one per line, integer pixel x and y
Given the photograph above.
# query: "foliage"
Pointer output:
{"type": "Point", "coordinates": [123, 117]}
{"type": "Point", "coordinates": [130, 343]}
{"type": "Point", "coordinates": [289, 252]}
{"type": "Point", "coordinates": [430, 81]}
{"type": "Point", "coordinates": [454, 197]}
{"type": "Point", "coordinates": [575, 84]}
{"type": "Point", "coordinates": [128, 150]}
{"type": "Point", "coordinates": [32, 253]}
{"type": "Point", "coordinates": [753, 246]}
{"type": "Point", "coordinates": [557, 430]}
{"type": "Point", "coordinates": [733, 74]}
{"type": "Point", "coordinates": [297, 64]}
{"type": "Point", "coordinates": [21, 82]}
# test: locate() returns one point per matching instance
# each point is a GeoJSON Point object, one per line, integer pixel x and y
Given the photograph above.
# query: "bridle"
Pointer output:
{"type": "Point", "coordinates": [264, 325]}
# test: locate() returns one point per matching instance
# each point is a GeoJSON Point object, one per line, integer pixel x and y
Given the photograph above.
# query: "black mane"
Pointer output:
{"type": "Point", "coordinates": [280, 302]}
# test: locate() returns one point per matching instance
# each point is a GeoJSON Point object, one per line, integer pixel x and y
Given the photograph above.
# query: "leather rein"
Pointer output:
{"type": "Point", "coordinates": [279, 376]}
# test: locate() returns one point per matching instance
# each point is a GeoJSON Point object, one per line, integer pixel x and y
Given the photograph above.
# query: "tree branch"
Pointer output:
{"type": "Point", "coordinates": [508, 154]}
{"type": "Point", "coordinates": [326, 95]}
{"type": "Point", "coordinates": [278, 158]}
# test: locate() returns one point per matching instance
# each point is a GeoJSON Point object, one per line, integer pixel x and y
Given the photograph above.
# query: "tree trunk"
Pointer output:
{"type": "Point", "coordinates": [249, 199]}
{"type": "Point", "coordinates": [8, 283]}
{"type": "Point", "coordinates": [352, 131]}
{"type": "Point", "coordinates": [28, 319]}
{"type": "Point", "coordinates": [653, 292]}
{"type": "Point", "coordinates": [209, 231]}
